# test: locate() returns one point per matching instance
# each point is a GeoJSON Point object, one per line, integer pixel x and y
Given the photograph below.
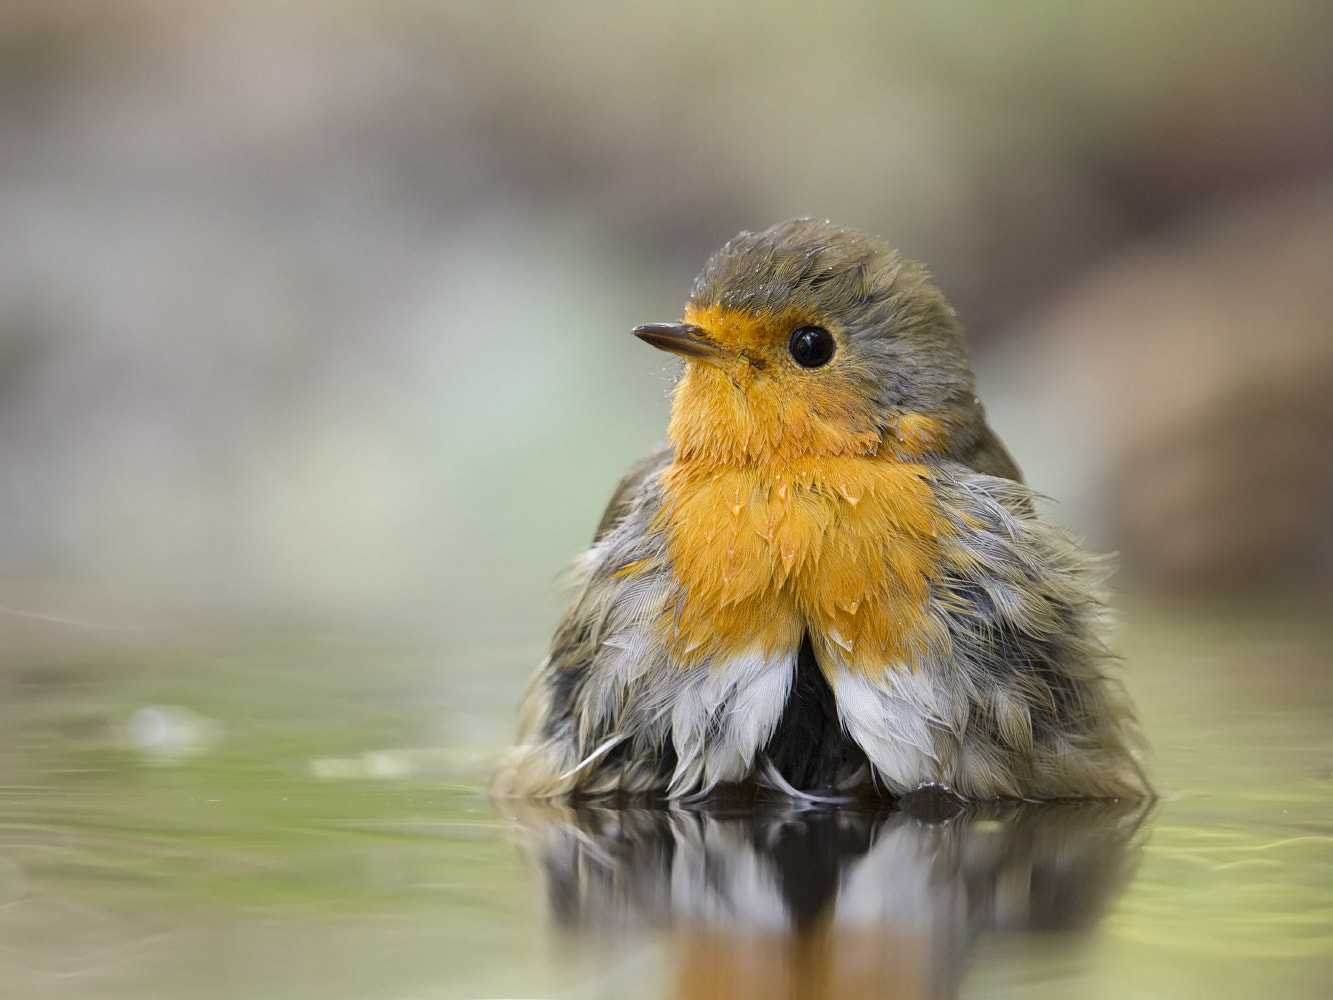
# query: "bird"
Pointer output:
{"type": "Point", "coordinates": [830, 580]}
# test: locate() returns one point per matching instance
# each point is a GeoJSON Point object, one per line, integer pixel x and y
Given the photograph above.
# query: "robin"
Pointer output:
{"type": "Point", "coordinates": [830, 578]}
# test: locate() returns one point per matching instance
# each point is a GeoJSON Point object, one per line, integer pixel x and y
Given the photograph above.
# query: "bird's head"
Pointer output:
{"type": "Point", "coordinates": [809, 340]}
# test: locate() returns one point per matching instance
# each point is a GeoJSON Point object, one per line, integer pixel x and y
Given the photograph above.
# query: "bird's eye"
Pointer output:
{"type": "Point", "coordinates": [811, 346]}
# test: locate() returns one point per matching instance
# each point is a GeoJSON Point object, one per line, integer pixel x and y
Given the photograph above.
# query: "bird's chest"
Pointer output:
{"type": "Point", "coordinates": [844, 548]}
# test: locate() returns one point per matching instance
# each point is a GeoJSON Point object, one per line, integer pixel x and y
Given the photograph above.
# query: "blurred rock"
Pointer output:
{"type": "Point", "coordinates": [171, 734]}
{"type": "Point", "coordinates": [1187, 394]}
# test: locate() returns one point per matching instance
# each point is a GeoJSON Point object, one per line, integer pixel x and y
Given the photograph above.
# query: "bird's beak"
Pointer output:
{"type": "Point", "coordinates": [685, 339]}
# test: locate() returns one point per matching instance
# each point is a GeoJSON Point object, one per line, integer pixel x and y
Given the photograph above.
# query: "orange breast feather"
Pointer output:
{"type": "Point", "coordinates": [843, 546]}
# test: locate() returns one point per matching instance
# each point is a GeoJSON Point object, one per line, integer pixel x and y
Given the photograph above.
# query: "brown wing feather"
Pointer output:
{"type": "Point", "coordinates": [627, 490]}
{"type": "Point", "coordinates": [988, 455]}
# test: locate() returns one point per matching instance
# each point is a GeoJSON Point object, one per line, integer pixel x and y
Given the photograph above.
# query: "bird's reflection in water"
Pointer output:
{"type": "Point", "coordinates": [775, 901]}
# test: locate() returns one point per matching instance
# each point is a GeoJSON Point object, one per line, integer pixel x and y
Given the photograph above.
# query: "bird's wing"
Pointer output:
{"type": "Point", "coordinates": [610, 710]}
{"type": "Point", "coordinates": [603, 667]}
{"type": "Point", "coordinates": [631, 485]}
{"type": "Point", "coordinates": [1009, 694]}
{"type": "Point", "coordinates": [988, 455]}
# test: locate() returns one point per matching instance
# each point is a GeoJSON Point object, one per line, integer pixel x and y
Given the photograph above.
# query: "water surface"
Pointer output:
{"type": "Point", "coordinates": [304, 816]}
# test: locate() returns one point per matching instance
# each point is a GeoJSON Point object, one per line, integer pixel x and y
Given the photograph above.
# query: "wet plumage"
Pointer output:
{"type": "Point", "coordinates": [830, 577]}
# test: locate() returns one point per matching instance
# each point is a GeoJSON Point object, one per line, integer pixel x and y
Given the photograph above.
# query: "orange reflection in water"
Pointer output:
{"type": "Point", "coordinates": [788, 900]}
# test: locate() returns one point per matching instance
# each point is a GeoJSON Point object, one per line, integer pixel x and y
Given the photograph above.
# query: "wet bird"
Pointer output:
{"type": "Point", "coordinates": [830, 579]}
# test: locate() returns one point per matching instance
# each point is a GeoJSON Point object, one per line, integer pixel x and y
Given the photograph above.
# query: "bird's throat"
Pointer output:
{"type": "Point", "coordinates": [724, 414]}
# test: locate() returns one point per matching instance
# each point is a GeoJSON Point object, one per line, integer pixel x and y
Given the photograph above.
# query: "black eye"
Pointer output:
{"type": "Point", "coordinates": [811, 346]}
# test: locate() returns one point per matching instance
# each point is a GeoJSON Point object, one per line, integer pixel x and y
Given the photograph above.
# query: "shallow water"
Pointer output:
{"type": "Point", "coordinates": [303, 817]}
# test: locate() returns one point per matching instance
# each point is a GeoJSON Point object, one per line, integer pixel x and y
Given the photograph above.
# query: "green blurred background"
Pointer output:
{"type": "Point", "coordinates": [318, 312]}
